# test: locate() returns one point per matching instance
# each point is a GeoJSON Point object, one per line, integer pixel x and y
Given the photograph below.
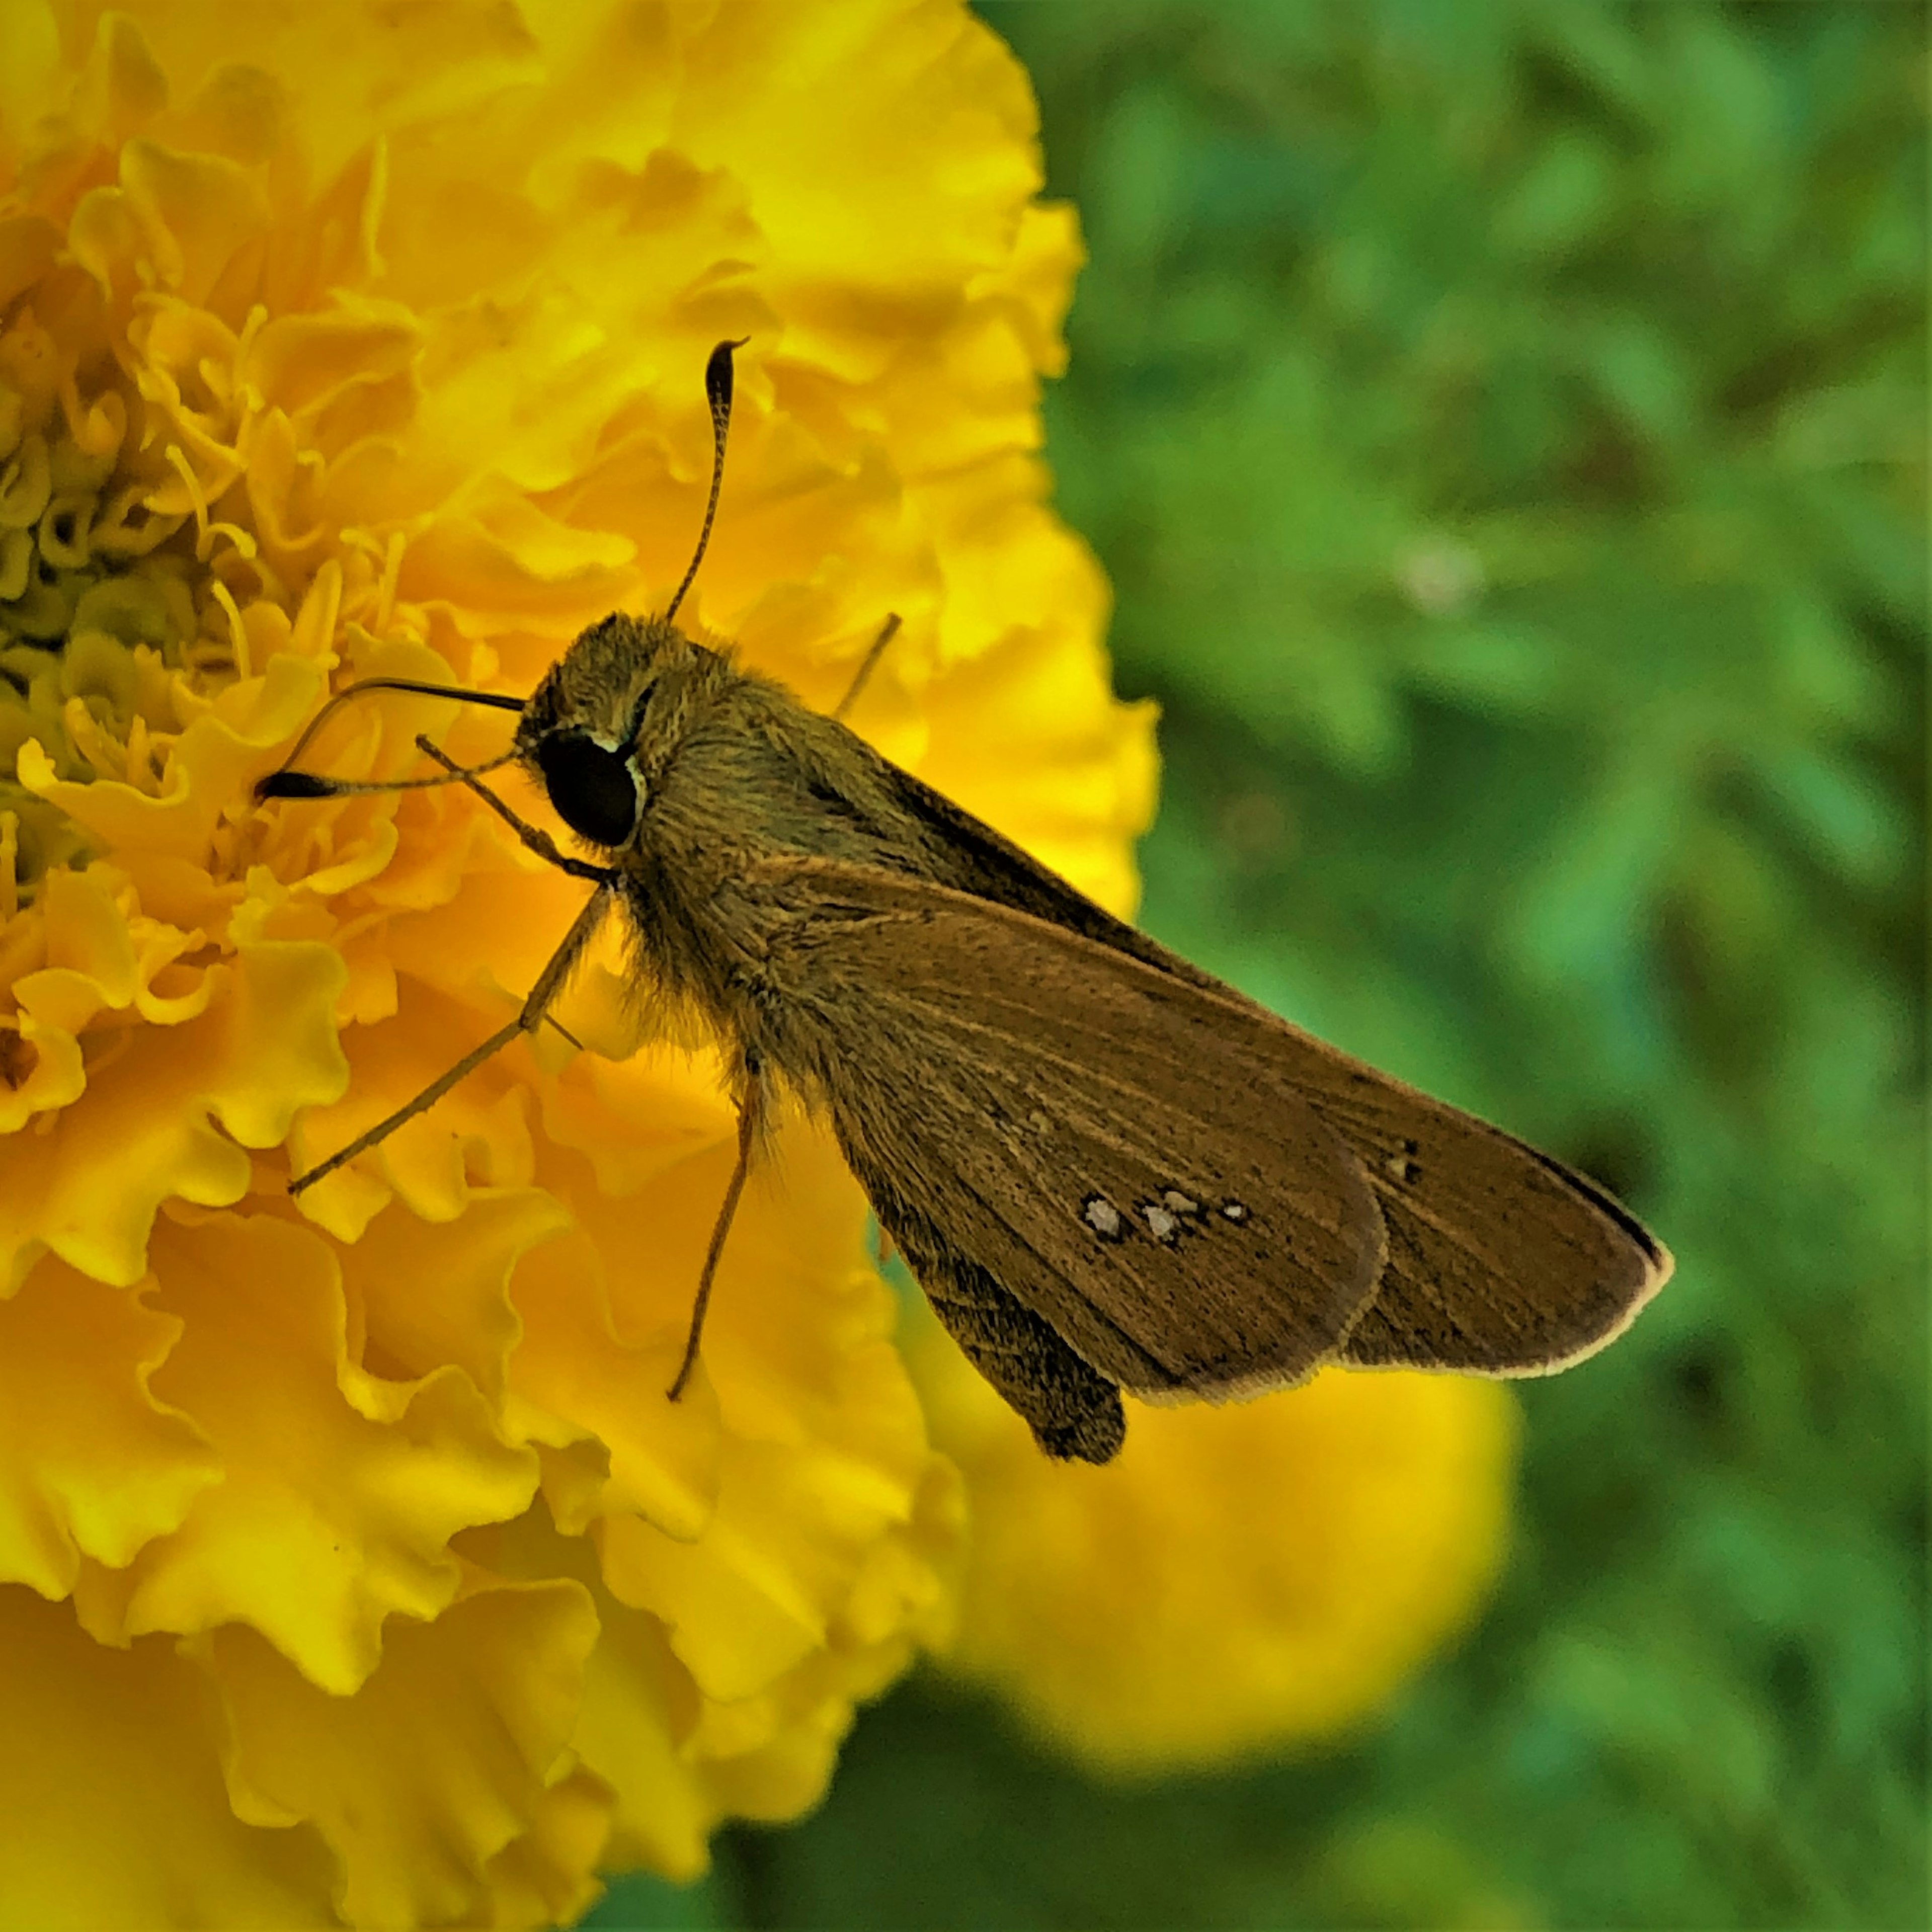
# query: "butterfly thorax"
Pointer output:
{"type": "Point", "coordinates": [695, 776]}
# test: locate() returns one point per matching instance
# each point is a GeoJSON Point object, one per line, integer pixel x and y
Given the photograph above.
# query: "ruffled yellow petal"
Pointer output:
{"type": "Point", "coordinates": [579, 1380]}
{"type": "Point", "coordinates": [638, 1708]}
{"type": "Point", "coordinates": [341, 1489]}
{"type": "Point", "coordinates": [92, 1464]}
{"type": "Point", "coordinates": [823, 1449]}
{"type": "Point", "coordinates": [445, 1759]}
{"type": "Point", "coordinates": [116, 1811]}
{"type": "Point", "coordinates": [195, 1044]}
{"type": "Point", "coordinates": [170, 1104]}
{"type": "Point", "coordinates": [1076, 782]}
{"type": "Point", "coordinates": [422, 1297]}
{"type": "Point", "coordinates": [1240, 1578]}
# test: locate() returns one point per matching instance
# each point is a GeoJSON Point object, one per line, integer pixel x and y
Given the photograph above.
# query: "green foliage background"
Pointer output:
{"type": "Point", "coordinates": [1505, 421]}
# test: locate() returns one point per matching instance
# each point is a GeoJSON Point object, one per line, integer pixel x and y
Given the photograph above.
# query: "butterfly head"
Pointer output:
{"type": "Point", "coordinates": [588, 732]}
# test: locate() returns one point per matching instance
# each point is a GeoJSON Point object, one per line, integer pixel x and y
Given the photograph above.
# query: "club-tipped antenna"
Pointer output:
{"type": "Point", "coordinates": [289, 783]}
{"type": "Point", "coordinates": [718, 394]}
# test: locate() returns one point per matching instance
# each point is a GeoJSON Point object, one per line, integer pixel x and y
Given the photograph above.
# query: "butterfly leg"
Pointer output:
{"type": "Point", "coordinates": [550, 983]}
{"type": "Point", "coordinates": [866, 665]}
{"type": "Point", "coordinates": [747, 1133]}
{"type": "Point", "coordinates": [538, 840]}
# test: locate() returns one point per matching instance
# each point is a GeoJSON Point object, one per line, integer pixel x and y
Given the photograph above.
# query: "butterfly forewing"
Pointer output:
{"type": "Point", "coordinates": [1501, 1261]}
{"type": "Point", "coordinates": [1119, 1150]}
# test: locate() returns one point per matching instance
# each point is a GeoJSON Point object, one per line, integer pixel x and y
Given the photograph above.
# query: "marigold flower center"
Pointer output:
{"type": "Point", "coordinates": [119, 607]}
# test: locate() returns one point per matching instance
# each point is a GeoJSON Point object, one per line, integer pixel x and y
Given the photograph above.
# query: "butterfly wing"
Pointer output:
{"type": "Point", "coordinates": [1198, 1198]}
{"type": "Point", "coordinates": [1038, 1117]}
{"type": "Point", "coordinates": [1501, 1260]}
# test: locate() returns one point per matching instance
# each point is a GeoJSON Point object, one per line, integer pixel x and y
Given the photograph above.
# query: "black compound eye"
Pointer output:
{"type": "Point", "coordinates": [593, 789]}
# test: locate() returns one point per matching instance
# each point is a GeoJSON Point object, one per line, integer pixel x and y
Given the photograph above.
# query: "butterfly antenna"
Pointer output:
{"type": "Point", "coordinates": [718, 393]}
{"type": "Point", "coordinates": [288, 783]}
{"type": "Point", "coordinates": [864, 671]}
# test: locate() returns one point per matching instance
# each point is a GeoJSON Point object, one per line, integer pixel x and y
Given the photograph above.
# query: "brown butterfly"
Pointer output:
{"type": "Point", "coordinates": [1107, 1170]}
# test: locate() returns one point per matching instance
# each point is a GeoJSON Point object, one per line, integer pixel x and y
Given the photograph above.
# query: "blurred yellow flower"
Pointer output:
{"type": "Point", "coordinates": [353, 1565]}
{"type": "Point", "coordinates": [1238, 1578]}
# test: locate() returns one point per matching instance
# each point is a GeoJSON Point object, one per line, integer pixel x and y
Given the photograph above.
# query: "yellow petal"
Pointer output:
{"type": "Point", "coordinates": [824, 1446]}
{"type": "Point", "coordinates": [443, 1760]}
{"type": "Point", "coordinates": [91, 1463]}
{"type": "Point", "coordinates": [340, 1492]}
{"type": "Point", "coordinates": [662, 1458]}
{"type": "Point", "coordinates": [544, 1876]}
{"type": "Point", "coordinates": [112, 1789]}
{"type": "Point", "coordinates": [426, 1296]}
{"type": "Point", "coordinates": [88, 1188]}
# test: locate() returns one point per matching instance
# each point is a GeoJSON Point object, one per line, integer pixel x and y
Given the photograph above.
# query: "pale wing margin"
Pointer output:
{"type": "Point", "coordinates": [1501, 1261]}
{"type": "Point", "coordinates": [1121, 1150]}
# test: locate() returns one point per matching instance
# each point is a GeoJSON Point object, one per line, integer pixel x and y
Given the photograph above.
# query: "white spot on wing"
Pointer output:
{"type": "Point", "coordinates": [1101, 1216]}
{"type": "Point", "coordinates": [1161, 1224]}
{"type": "Point", "coordinates": [1235, 1211]}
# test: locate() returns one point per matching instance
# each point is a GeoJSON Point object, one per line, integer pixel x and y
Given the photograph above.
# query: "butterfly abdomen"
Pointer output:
{"type": "Point", "coordinates": [1075, 1414]}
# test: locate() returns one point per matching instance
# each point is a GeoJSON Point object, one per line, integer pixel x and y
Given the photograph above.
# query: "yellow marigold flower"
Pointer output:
{"type": "Point", "coordinates": [353, 1564]}
{"type": "Point", "coordinates": [1239, 1578]}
